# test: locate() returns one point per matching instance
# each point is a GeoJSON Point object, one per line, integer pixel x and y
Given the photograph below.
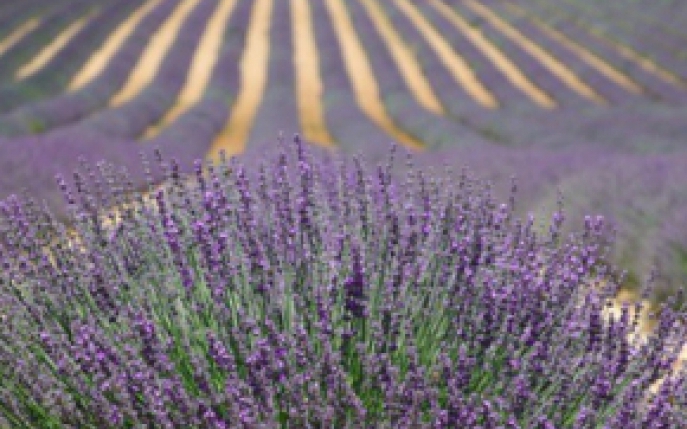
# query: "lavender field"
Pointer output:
{"type": "Point", "coordinates": [572, 112]}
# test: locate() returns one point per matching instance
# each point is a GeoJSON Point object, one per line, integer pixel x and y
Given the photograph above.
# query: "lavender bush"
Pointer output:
{"type": "Point", "coordinates": [313, 291]}
{"type": "Point", "coordinates": [646, 203]}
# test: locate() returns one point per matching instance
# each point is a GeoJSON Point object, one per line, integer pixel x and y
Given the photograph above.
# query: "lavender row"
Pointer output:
{"type": "Point", "coordinates": [278, 111]}
{"type": "Point", "coordinates": [350, 127]}
{"type": "Point", "coordinates": [30, 163]}
{"type": "Point", "coordinates": [459, 104]}
{"type": "Point", "coordinates": [669, 15]}
{"type": "Point", "coordinates": [57, 73]}
{"type": "Point", "coordinates": [432, 129]}
{"type": "Point", "coordinates": [70, 107]}
{"type": "Point", "coordinates": [655, 87]}
{"type": "Point", "coordinates": [191, 135]}
{"type": "Point", "coordinates": [654, 129]}
{"type": "Point", "coordinates": [20, 53]}
{"type": "Point", "coordinates": [638, 39]}
{"type": "Point", "coordinates": [608, 89]}
{"type": "Point", "coordinates": [455, 99]}
{"type": "Point", "coordinates": [646, 24]}
{"type": "Point", "coordinates": [533, 69]}
{"type": "Point", "coordinates": [507, 95]}
{"type": "Point", "coordinates": [18, 13]}
{"type": "Point", "coordinates": [131, 119]}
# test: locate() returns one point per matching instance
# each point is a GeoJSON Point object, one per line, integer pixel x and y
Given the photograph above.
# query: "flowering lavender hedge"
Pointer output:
{"type": "Point", "coordinates": [311, 291]}
{"type": "Point", "coordinates": [646, 201]}
{"type": "Point", "coordinates": [42, 116]}
{"type": "Point", "coordinates": [57, 73]}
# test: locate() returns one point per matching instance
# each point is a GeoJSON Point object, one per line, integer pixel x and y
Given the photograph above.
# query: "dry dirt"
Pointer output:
{"type": "Point", "coordinates": [52, 48]}
{"type": "Point", "coordinates": [203, 63]}
{"type": "Point", "coordinates": [254, 62]}
{"type": "Point", "coordinates": [151, 58]}
{"type": "Point", "coordinates": [18, 34]}
{"type": "Point", "coordinates": [100, 58]}
{"type": "Point", "coordinates": [546, 59]}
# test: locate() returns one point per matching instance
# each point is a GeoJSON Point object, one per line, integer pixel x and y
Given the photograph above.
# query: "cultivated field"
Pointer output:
{"type": "Point", "coordinates": [582, 102]}
{"type": "Point", "coordinates": [555, 93]}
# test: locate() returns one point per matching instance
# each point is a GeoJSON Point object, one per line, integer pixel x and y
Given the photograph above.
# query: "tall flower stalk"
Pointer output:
{"type": "Point", "coordinates": [312, 290]}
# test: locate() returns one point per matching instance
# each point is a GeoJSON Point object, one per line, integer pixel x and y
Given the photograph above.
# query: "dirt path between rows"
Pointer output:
{"type": "Point", "coordinates": [151, 58]}
{"type": "Point", "coordinates": [362, 77]}
{"type": "Point", "coordinates": [455, 64]}
{"type": "Point", "coordinates": [206, 56]}
{"type": "Point", "coordinates": [254, 62]}
{"type": "Point", "coordinates": [501, 61]}
{"type": "Point", "coordinates": [308, 79]}
{"type": "Point", "coordinates": [584, 54]}
{"type": "Point", "coordinates": [52, 48]}
{"type": "Point", "coordinates": [547, 60]}
{"type": "Point", "coordinates": [101, 58]}
{"type": "Point", "coordinates": [14, 37]}
{"type": "Point", "coordinates": [407, 63]}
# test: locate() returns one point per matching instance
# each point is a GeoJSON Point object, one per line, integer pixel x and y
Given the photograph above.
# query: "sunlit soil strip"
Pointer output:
{"type": "Point", "coordinates": [52, 48]}
{"type": "Point", "coordinates": [254, 64]}
{"type": "Point", "coordinates": [362, 77]}
{"type": "Point", "coordinates": [18, 34]}
{"type": "Point", "coordinates": [634, 56]}
{"type": "Point", "coordinates": [308, 79]}
{"type": "Point", "coordinates": [203, 63]}
{"type": "Point", "coordinates": [149, 62]}
{"type": "Point", "coordinates": [549, 61]}
{"type": "Point", "coordinates": [500, 61]}
{"type": "Point", "coordinates": [99, 60]}
{"type": "Point", "coordinates": [586, 56]}
{"type": "Point", "coordinates": [455, 64]}
{"type": "Point", "coordinates": [404, 58]}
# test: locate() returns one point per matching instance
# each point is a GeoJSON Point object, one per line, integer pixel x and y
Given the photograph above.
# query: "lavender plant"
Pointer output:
{"type": "Point", "coordinates": [314, 291]}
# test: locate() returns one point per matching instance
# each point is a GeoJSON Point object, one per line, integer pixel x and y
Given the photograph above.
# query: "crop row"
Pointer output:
{"type": "Point", "coordinates": [453, 78]}
{"type": "Point", "coordinates": [638, 40]}
{"type": "Point", "coordinates": [556, 72]}
{"type": "Point", "coordinates": [647, 32]}
{"type": "Point", "coordinates": [54, 76]}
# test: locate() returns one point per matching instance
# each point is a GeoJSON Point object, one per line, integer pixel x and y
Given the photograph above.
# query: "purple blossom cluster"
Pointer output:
{"type": "Point", "coordinates": [311, 289]}
{"type": "Point", "coordinates": [645, 201]}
